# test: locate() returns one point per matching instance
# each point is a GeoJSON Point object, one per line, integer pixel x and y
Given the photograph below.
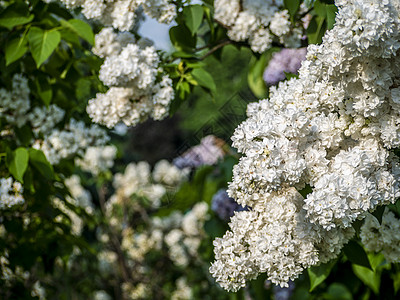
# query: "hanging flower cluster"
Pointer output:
{"type": "Point", "coordinates": [138, 87]}
{"type": "Point", "coordinates": [122, 14]}
{"type": "Point", "coordinates": [330, 131]}
{"type": "Point", "coordinates": [259, 22]}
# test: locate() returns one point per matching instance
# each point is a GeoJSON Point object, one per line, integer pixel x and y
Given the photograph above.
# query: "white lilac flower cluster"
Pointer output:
{"type": "Point", "coordinates": [97, 159]}
{"type": "Point", "coordinates": [184, 240]}
{"type": "Point", "coordinates": [79, 198]}
{"type": "Point", "coordinates": [15, 104]}
{"type": "Point", "coordinates": [122, 14]}
{"type": "Point", "coordinates": [258, 21]}
{"type": "Point", "coordinates": [73, 140]}
{"type": "Point", "coordinates": [330, 131]}
{"type": "Point", "coordinates": [15, 107]}
{"type": "Point", "coordinates": [183, 290]}
{"type": "Point", "coordinates": [10, 193]}
{"type": "Point", "coordinates": [138, 87]}
{"type": "Point", "coordinates": [138, 181]}
{"type": "Point", "coordinates": [286, 60]}
{"type": "Point", "coordinates": [383, 238]}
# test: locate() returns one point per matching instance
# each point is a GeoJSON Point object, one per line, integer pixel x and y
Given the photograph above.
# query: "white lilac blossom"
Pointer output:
{"type": "Point", "coordinates": [44, 119]}
{"type": "Point", "coordinates": [168, 174]}
{"type": "Point", "coordinates": [138, 181]}
{"type": "Point", "coordinates": [183, 290]}
{"type": "Point", "coordinates": [184, 240]}
{"type": "Point", "coordinates": [224, 206]}
{"type": "Point", "coordinates": [275, 237]}
{"type": "Point", "coordinates": [259, 22]}
{"type": "Point", "coordinates": [74, 139]}
{"type": "Point", "coordinates": [10, 193]}
{"type": "Point", "coordinates": [15, 104]}
{"type": "Point", "coordinates": [331, 131]}
{"type": "Point", "coordinates": [97, 159]}
{"type": "Point", "coordinates": [79, 196]}
{"type": "Point", "coordinates": [122, 14]}
{"type": "Point", "coordinates": [383, 238]}
{"type": "Point", "coordinates": [286, 60]}
{"type": "Point", "coordinates": [208, 152]}
{"type": "Point", "coordinates": [138, 87]}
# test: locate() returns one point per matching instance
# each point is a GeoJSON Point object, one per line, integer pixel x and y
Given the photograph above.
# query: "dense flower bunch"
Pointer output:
{"type": "Point", "coordinates": [286, 60]}
{"type": "Point", "coordinates": [332, 129]}
{"type": "Point", "coordinates": [177, 236]}
{"type": "Point", "coordinates": [122, 14]}
{"type": "Point", "coordinates": [138, 181]}
{"type": "Point", "coordinates": [10, 193]}
{"type": "Point", "coordinates": [138, 87]}
{"type": "Point", "coordinates": [259, 22]}
{"type": "Point", "coordinates": [383, 238]}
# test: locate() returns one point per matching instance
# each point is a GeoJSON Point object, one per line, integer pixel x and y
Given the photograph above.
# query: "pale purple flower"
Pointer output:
{"type": "Point", "coordinates": [287, 60]}
{"type": "Point", "coordinates": [224, 206]}
{"type": "Point", "coordinates": [208, 152]}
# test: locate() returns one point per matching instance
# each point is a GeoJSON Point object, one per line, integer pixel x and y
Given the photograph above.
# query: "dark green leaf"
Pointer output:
{"type": "Point", "coordinates": [42, 43]}
{"type": "Point", "coordinates": [292, 6]}
{"type": "Point", "coordinates": [256, 71]}
{"type": "Point", "coordinates": [319, 273]}
{"type": "Point", "coordinates": [204, 79]}
{"type": "Point", "coordinates": [40, 162]}
{"type": "Point", "coordinates": [44, 89]}
{"type": "Point", "coordinates": [331, 11]}
{"type": "Point", "coordinates": [24, 134]}
{"type": "Point", "coordinates": [182, 38]}
{"type": "Point", "coordinates": [193, 15]}
{"type": "Point", "coordinates": [356, 254]}
{"type": "Point", "coordinates": [316, 30]}
{"type": "Point", "coordinates": [15, 49]}
{"type": "Point", "coordinates": [290, 75]}
{"type": "Point", "coordinates": [307, 190]}
{"type": "Point", "coordinates": [80, 28]}
{"type": "Point", "coordinates": [17, 163]}
{"type": "Point", "coordinates": [378, 213]}
{"type": "Point", "coordinates": [15, 15]}
{"type": "Point", "coordinates": [338, 291]}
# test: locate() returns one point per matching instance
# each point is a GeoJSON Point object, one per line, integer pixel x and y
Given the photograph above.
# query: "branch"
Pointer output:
{"type": "Point", "coordinates": [215, 48]}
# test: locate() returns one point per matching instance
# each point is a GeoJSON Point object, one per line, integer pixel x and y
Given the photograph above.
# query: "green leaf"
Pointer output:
{"type": "Point", "coordinates": [42, 43]}
{"type": "Point", "coordinates": [368, 277]}
{"type": "Point", "coordinates": [331, 11]}
{"type": "Point", "coordinates": [80, 28]}
{"type": "Point", "coordinates": [44, 89]}
{"type": "Point", "coordinates": [316, 30]}
{"type": "Point", "coordinates": [292, 6]}
{"type": "Point", "coordinates": [378, 213]}
{"type": "Point", "coordinates": [356, 254]}
{"type": "Point", "coordinates": [15, 15]}
{"type": "Point", "coordinates": [307, 190]}
{"type": "Point", "coordinates": [338, 291]}
{"type": "Point", "coordinates": [255, 75]}
{"type": "Point", "coordinates": [17, 163]}
{"type": "Point", "coordinates": [290, 75]}
{"type": "Point", "coordinates": [319, 273]}
{"type": "Point", "coordinates": [204, 79]}
{"type": "Point", "coordinates": [40, 162]}
{"type": "Point", "coordinates": [182, 38]}
{"type": "Point", "coordinates": [193, 15]}
{"type": "Point", "coordinates": [15, 49]}
{"type": "Point", "coordinates": [24, 134]}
